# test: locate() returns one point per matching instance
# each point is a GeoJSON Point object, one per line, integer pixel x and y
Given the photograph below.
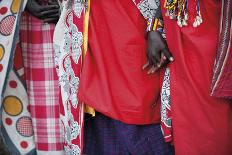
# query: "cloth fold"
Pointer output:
{"type": "Point", "coordinates": [221, 82]}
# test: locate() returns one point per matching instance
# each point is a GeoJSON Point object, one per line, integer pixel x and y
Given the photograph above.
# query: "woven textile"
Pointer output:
{"type": "Point", "coordinates": [41, 80]}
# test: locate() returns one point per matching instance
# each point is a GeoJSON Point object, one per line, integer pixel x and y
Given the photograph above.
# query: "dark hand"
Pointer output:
{"type": "Point", "coordinates": [48, 13]}
{"type": "Point", "coordinates": [158, 54]}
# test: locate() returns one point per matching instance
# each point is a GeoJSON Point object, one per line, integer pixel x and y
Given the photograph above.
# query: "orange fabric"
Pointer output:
{"type": "Point", "coordinates": [201, 124]}
{"type": "Point", "coordinates": [112, 80]}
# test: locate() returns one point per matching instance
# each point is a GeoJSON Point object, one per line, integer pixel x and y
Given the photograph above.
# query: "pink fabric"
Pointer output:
{"type": "Point", "coordinates": [42, 82]}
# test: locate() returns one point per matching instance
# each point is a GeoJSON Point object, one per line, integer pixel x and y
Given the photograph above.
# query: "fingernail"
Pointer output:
{"type": "Point", "coordinates": [171, 59]}
{"type": "Point", "coordinates": [164, 57]}
{"type": "Point", "coordinates": [159, 65]}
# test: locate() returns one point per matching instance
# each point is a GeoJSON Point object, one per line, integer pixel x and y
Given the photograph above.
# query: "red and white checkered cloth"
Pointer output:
{"type": "Point", "coordinates": [42, 82]}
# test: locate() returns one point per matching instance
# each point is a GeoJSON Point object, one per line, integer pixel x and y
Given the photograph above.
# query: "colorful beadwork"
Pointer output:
{"type": "Point", "coordinates": [178, 9]}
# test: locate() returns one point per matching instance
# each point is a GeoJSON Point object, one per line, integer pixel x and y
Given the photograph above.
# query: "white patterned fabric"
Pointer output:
{"type": "Point", "coordinates": [68, 41]}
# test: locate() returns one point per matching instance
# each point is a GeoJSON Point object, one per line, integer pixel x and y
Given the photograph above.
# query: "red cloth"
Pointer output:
{"type": "Point", "coordinates": [201, 123]}
{"type": "Point", "coordinates": [112, 80]}
{"type": "Point", "coordinates": [221, 83]}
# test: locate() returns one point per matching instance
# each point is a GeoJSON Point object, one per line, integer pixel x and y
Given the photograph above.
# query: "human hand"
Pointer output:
{"type": "Point", "coordinates": [158, 54]}
{"type": "Point", "coordinates": [48, 13]}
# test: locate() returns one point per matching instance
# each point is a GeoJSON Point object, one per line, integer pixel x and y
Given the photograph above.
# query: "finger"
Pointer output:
{"type": "Point", "coordinates": [51, 20]}
{"type": "Point", "coordinates": [152, 70]}
{"type": "Point", "coordinates": [164, 61]}
{"type": "Point", "coordinates": [145, 65]}
{"type": "Point", "coordinates": [167, 54]}
{"type": "Point", "coordinates": [57, 15]}
{"type": "Point", "coordinates": [49, 7]}
{"type": "Point", "coordinates": [53, 2]}
{"type": "Point", "coordinates": [163, 57]}
{"type": "Point", "coordinates": [48, 13]}
{"type": "Point", "coordinates": [157, 57]}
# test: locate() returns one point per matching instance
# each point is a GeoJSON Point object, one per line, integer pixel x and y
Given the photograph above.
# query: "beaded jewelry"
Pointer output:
{"type": "Point", "coordinates": [178, 9]}
{"type": "Point", "coordinates": [156, 24]}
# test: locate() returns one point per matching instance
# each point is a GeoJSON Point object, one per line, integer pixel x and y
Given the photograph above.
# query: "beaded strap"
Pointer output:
{"type": "Point", "coordinates": [156, 24]}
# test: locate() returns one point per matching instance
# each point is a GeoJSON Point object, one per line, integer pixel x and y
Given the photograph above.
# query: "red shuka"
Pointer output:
{"type": "Point", "coordinates": [202, 125]}
{"type": "Point", "coordinates": [112, 80]}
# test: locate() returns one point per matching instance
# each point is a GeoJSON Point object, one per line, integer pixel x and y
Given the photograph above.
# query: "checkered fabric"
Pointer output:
{"type": "Point", "coordinates": [42, 82]}
{"type": "Point", "coordinates": [105, 136]}
{"type": "Point", "coordinates": [24, 126]}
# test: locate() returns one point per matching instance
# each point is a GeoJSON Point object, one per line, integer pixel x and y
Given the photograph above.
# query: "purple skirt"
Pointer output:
{"type": "Point", "coordinates": [105, 136]}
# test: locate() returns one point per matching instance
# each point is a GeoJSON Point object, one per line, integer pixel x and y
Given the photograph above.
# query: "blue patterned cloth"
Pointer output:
{"type": "Point", "coordinates": [105, 136]}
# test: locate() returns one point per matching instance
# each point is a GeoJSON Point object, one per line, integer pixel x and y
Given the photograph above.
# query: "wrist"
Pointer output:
{"type": "Point", "coordinates": [156, 25]}
{"type": "Point", "coordinates": [153, 35]}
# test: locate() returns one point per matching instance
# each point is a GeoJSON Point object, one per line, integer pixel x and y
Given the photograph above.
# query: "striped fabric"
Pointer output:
{"type": "Point", "coordinates": [42, 85]}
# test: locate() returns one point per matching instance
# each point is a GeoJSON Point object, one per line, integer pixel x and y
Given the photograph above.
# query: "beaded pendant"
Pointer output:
{"type": "Point", "coordinates": [178, 9]}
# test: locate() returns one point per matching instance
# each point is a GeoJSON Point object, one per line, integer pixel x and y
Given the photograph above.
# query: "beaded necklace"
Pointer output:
{"type": "Point", "coordinates": [178, 9]}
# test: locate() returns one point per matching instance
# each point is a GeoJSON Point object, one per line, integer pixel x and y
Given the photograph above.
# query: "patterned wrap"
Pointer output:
{"type": "Point", "coordinates": [42, 83]}
{"type": "Point", "coordinates": [166, 116]}
{"type": "Point", "coordinates": [68, 49]}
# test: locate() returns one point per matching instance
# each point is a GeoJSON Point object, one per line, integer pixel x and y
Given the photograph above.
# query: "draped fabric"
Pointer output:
{"type": "Point", "coordinates": [221, 83]}
{"type": "Point", "coordinates": [69, 39]}
{"type": "Point", "coordinates": [68, 43]}
{"type": "Point", "coordinates": [198, 119]}
{"type": "Point", "coordinates": [36, 38]}
{"type": "Point", "coordinates": [16, 125]}
{"type": "Point", "coordinates": [117, 51]}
